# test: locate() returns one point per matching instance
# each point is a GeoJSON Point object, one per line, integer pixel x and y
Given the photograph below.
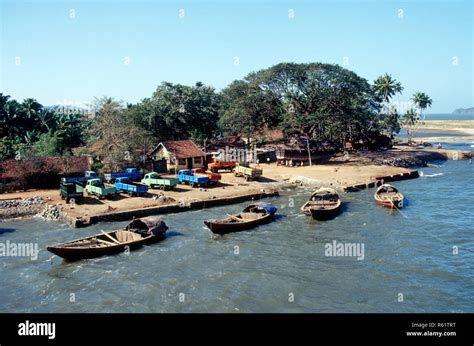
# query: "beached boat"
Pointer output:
{"type": "Point", "coordinates": [388, 196]}
{"type": "Point", "coordinates": [138, 232]}
{"type": "Point", "coordinates": [323, 204]}
{"type": "Point", "coordinates": [253, 215]}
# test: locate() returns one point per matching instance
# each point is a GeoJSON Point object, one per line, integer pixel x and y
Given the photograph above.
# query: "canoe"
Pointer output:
{"type": "Point", "coordinates": [138, 232]}
{"type": "Point", "coordinates": [324, 204]}
{"type": "Point", "coordinates": [388, 196]}
{"type": "Point", "coordinates": [253, 215]}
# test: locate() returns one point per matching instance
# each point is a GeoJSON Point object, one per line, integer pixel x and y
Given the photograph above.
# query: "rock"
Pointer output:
{"type": "Point", "coordinates": [50, 212]}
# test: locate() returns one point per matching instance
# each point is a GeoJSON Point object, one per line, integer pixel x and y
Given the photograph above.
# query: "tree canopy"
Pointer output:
{"type": "Point", "coordinates": [316, 101]}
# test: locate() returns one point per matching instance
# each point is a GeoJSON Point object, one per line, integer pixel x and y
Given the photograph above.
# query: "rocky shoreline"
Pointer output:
{"type": "Point", "coordinates": [26, 207]}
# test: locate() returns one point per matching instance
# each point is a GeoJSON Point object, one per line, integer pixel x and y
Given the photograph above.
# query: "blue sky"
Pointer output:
{"type": "Point", "coordinates": [72, 51]}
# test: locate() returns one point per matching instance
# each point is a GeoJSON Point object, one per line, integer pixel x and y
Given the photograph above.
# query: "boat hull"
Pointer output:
{"type": "Point", "coordinates": [77, 253]}
{"type": "Point", "coordinates": [395, 203]}
{"type": "Point", "coordinates": [224, 228]}
{"type": "Point", "coordinates": [322, 214]}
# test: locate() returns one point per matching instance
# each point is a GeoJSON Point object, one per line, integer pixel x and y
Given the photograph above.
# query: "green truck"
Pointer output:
{"type": "Point", "coordinates": [71, 191]}
{"type": "Point", "coordinates": [153, 180]}
{"type": "Point", "coordinates": [97, 188]}
{"type": "Point", "coordinates": [249, 173]}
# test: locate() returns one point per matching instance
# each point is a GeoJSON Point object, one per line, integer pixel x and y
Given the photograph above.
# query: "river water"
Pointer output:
{"type": "Point", "coordinates": [409, 265]}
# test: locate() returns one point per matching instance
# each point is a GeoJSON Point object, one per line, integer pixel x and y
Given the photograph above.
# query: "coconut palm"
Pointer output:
{"type": "Point", "coordinates": [386, 87]}
{"type": "Point", "coordinates": [421, 101]}
{"type": "Point", "coordinates": [411, 119]}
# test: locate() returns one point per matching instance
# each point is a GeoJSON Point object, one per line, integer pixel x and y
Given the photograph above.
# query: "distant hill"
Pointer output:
{"type": "Point", "coordinates": [464, 111]}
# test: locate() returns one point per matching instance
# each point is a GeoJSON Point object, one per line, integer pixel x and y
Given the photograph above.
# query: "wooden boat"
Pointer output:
{"type": "Point", "coordinates": [324, 204]}
{"type": "Point", "coordinates": [138, 232]}
{"type": "Point", "coordinates": [253, 215]}
{"type": "Point", "coordinates": [388, 196]}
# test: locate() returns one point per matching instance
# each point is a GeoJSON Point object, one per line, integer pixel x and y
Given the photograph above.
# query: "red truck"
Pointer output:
{"type": "Point", "coordinates": [213, 177]}
{"type": "Point", "coordinates": [215, 166]}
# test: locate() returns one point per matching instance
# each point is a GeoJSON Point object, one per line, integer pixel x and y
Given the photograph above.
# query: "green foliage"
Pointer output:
{"type": "Point", "coordinates": [177, 111]}
{"type": "Point", "coordinates": [316, 101]}
{"type": "Point", "coordinates": [312, 100]}
{"type": "Point", "coordinates": [23, 124]}
{"type": "Point", "coordinates": [48, 144]}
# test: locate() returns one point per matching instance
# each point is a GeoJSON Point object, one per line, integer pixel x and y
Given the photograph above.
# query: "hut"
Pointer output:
{"type": "Point", "coordinates": [171, 156]}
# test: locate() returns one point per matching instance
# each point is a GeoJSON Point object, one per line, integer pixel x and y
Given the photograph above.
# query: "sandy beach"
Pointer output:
{"type": "Point", "coordinates": [462, 131]}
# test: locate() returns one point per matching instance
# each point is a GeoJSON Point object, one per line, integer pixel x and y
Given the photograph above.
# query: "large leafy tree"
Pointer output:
{"type": "Point", "coordinates": [246, 109]}
{"type": "Point", "coordinates": [112, 136]}
{"type": "Point", "coordinates": [176, 111]}
{"type": "Point", "coordinates": [318, 101]}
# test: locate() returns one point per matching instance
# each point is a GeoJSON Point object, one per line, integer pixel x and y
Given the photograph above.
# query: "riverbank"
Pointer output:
{"type": "Point", "coordinates": [446, 131]}
{"type": "Point", "coordinates": [359, 171]}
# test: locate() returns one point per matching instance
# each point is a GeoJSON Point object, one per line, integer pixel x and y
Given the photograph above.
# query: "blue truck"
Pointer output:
{"type": "Point", "coordinates": [133, 189]}
{"type": "Point", "coordinates": [131, 173]}
{"type": "Point", "coordinates": [186, 176]}
{"type": "Point", "coordinates": [82, 179]}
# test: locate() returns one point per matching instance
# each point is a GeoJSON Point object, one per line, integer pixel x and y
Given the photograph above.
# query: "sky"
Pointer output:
{"type": "Point", "coordinates": [68, 52]}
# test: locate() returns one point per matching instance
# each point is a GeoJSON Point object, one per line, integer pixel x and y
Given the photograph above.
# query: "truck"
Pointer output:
{"type": "Point", "coordinates": [153, 180]}
{"type": "Point", "coordinates": [97, 188]}
{"type": "Point", "coordinates": [186, 176]}
{"type": "Point", "coordinates": [131, 173]}
{"type": "Point", "coordinates": [133, 189]}
{"type": "Point", "coordinates": [214, 165]}
{"type": "Point", "coordinates": [249, 173]}
{"type": "Point", "coordinates": [213, 177]}
{"type": "Point", "coordinates": [80, 179]}
{"type": "Point", "coordinates": [71, 191]}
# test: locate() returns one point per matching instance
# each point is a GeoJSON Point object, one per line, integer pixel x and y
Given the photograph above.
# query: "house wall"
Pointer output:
{"type": "Point", "coordinates": [173, 166]}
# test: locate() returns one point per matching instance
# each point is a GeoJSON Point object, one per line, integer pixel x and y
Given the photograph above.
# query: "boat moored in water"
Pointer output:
{"type": "Point", "coordinates": [138, 232]}
{"type": "Point", "coordinates": [324, 204]}
{"type": "Point", "coordinates": [388, 196]}
{"type": "Point", "coordinates": [253, 215]}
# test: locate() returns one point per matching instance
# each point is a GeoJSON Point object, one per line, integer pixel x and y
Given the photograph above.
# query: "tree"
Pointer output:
{"type": "Point", "coordinates": [177, 111]}
{"type": "Point", "coordinates": [245, 108]}
{"type": "Point", "coordinates": [421, 101]}
{"type": "Point", "coordinates": [385, 88]}
{"type": "Point", "coordinates": [319, 101]}
{"type": "Point", "coordinates": [414, 117]}
{"type": "Point", "coordinates": [48, 144]}
{"type": "Point", "coordinates": [411, 120]}
{"type": "Point", "coordinates": [112, 136]}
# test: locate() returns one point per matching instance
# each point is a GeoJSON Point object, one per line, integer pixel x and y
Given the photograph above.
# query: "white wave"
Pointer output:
{"type": "Point", "coordinates": [431, 175]}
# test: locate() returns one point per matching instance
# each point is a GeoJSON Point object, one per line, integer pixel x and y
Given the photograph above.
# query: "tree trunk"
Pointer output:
{"type": "Point", "coordinates": [309, 152]}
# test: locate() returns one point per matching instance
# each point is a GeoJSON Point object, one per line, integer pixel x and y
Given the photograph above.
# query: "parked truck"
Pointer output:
{"type": "Point", "coordinates": [80, 178]}
{"type": "Point", "coordinates": [214, 165]}
{"type": "Point", "coordinates": [97, 188]}
{"type": "Point", "coordinates": [71, 191]}
{"type": "Point", "coordinates": [249, 173]}
{"type": "Point", "coordinates": [213, 177]}
{"type": "Point", "coordinates": [128, 186]}
{"type": "Point", "coordinates": [153, 180]}
{"type": "Point", "coordinates": [132, 173]}
{"type": "Point", "coordinates": [186, 176]}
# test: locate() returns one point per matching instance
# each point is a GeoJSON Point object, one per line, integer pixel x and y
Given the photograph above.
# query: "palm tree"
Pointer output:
{"type": "Point", "coordinates": [30, 107]}
{"type": "Point", "coordinates": [386, 87]}
{"type": "Point", "coordinates": [45, 118]}
{"type": "Point", "coordinates": [421, 101]}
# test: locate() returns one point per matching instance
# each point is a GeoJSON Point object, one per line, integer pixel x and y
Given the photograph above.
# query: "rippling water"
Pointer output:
{"type": "Point", "coordinates": [408, 252]}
